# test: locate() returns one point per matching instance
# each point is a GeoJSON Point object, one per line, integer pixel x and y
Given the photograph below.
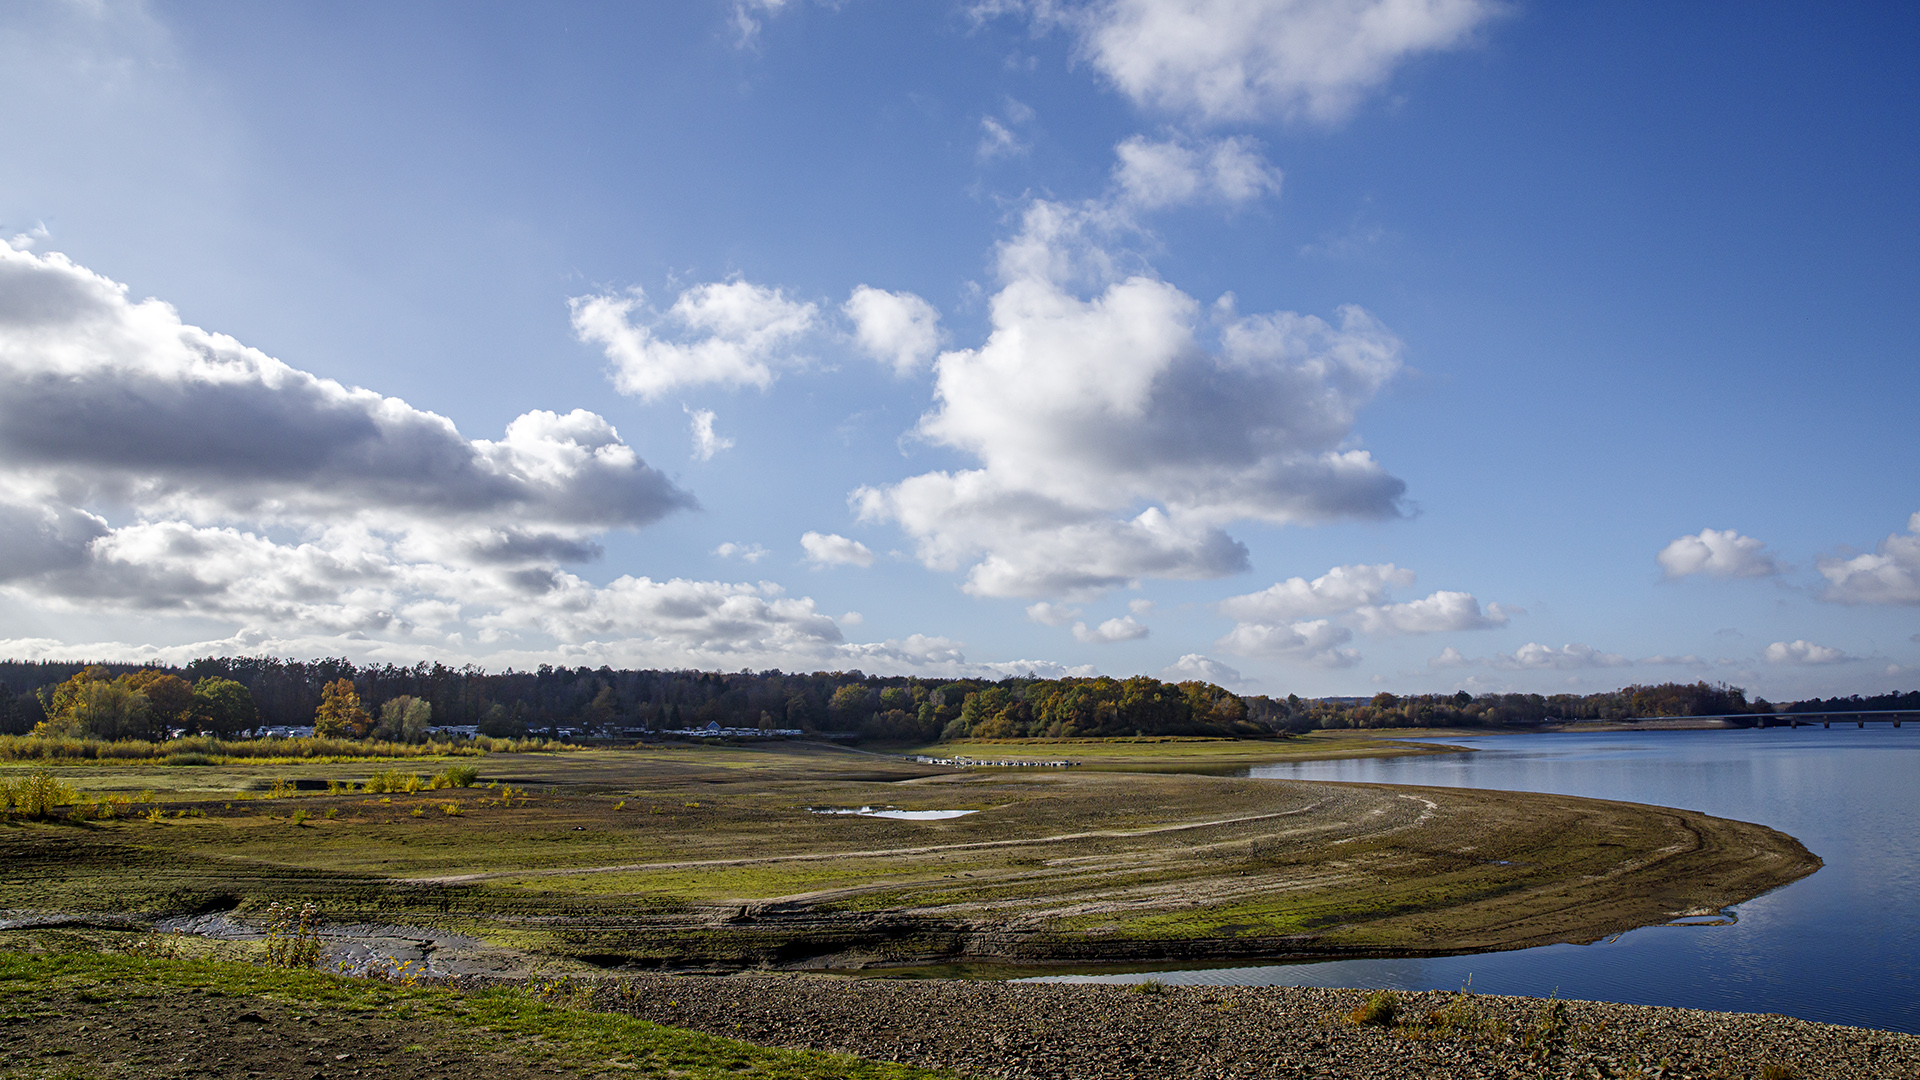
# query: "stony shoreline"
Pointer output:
{"type": "Point", "coordinates": [1034, 1031]}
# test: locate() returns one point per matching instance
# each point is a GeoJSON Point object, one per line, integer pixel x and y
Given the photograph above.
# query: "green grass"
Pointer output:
{"type": "Point", "coordinates": [506, 1019]}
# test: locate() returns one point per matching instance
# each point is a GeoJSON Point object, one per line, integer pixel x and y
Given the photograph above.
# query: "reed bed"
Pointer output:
{"type": "Point", "coordinates": [207, 750]}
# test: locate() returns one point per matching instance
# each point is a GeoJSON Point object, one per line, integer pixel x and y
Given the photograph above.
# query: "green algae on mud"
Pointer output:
{"type": "Point", "coordinates": [708, 857]}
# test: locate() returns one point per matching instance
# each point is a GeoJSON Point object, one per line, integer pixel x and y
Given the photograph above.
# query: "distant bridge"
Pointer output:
{"type": "Point", "coordinates": [1861, 717]}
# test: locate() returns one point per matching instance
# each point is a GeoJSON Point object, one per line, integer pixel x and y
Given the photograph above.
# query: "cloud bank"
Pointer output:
{"type": "Point", "coordinates": [150, 466]}
{"type": "Point", "coordinates": [1307, 621]}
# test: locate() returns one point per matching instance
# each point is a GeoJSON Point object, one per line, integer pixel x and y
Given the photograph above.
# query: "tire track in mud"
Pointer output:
{"type": "Point", "coordinates": [877, 853]}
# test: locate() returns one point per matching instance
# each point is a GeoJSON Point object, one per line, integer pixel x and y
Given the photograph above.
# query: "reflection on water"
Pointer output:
{"type": "Point", "coordinates": [1841, 946]}
{"type": "Point", "coordinates": [897, 815]}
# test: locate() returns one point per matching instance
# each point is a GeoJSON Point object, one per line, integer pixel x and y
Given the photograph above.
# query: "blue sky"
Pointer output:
{"type": "Point", "coordinates": [1319, 346]}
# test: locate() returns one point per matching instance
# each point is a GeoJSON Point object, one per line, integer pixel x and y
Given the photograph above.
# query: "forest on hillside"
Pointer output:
{"type": "Point", "coordinates": [606, 702]}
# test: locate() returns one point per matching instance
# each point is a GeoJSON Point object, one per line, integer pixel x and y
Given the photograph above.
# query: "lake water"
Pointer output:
{"type": "Point", "coordinates": [889, 812]}
{"type": "Point", "coordinates": [1842, 946]}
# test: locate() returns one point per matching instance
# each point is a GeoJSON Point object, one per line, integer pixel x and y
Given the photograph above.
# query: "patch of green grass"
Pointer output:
{"type": "Point", "coordinates": [1379, 1010]}
{"type": "Point", "coordinates": [501, 1019]}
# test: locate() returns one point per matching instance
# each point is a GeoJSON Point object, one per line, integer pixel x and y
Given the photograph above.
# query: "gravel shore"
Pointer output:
{"type": "Point", "coordinates": [1097, 1032]}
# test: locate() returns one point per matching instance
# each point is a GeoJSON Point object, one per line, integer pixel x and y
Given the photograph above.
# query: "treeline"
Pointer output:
{"type": "Point", "coordinates": [549, 700]}
{"type": "Point", "coordinates": [1462, 709]}
{"type": "Point", "coordinates": [1856, 703]}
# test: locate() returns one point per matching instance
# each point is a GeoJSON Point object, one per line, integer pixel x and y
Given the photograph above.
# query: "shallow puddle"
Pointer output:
{"type": "Point", "coordinates": [898, 815]}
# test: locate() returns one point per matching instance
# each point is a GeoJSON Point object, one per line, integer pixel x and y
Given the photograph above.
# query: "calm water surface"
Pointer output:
{"type": "Point", "coordinates": [1841, 946]}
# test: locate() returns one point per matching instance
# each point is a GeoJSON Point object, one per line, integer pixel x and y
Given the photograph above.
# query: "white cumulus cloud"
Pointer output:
{"type": "Point", "coordinates": [1442, 611]}
{"type": "Point", "coordinates": [1802, 654]}
{"type": "Point", "coordinates": [1173, 172]}
{"type": "Point", "coordinates": [1717, 553]}
{"type": "Point", "coordinates": [1198, 666]}
{"type": "Point", "coordinates": [1118, 432]}
{"type": "Point", "coordinates": [749, 15]}
{"type": "Point", "coordinates": [1270, 622]}
{"type": "Point", "coordinates": [1124, 628]}
{"type": "Point", "coordinates": [153, 467]}
{"type": "Point", "coordinates": [1571, 657]}
{"type": "Point", "coordinates": [896, 328]}
{"type": "Point", "coordinates": [705, 442]}
{"type": "Point", "coordinates": [1239, 60]}
{"type": "Point", "coordinates": [832, 549]}
{"type": "Point", "coordinates": [248, 489]}
{"type": "Point", "coordinates": [1314, 642]}
{"type": "Point", "coordinates": [1340, 589]}
{"type": "Point", "coordinates": [1047, 614]}
{"type": "Point", "coordinates": [731, 333]}
{"type": "Point", "coordinates": [751, 553]}
{"type": "Point", "coordinates": [1889, 575]}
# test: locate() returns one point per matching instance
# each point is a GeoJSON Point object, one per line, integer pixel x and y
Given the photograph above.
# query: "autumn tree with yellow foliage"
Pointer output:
{"type": "Point", "coordinates": [340, 715]}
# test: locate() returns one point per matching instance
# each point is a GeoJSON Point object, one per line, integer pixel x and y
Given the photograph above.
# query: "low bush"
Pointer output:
{"type": "Point", "coordinates": [37, 794]}
{"type": "Point", "coordinates": [293, 935]}
{"type": "Point", "coordinates": [1378, 1010]}
{"type": "Point", "coordinates": [217, 750]}
{"type": "Point", "coordinates": [393, 781]}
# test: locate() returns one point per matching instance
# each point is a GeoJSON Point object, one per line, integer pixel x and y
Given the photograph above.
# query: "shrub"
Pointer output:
{"type": "Point", "coordinates": [462, 775]}
{"type": "Point", "coordinates": [393, 781]}
{"type": "Point", "coordinates": [1149, 987]}
{"type": "Point", "coordinates": [188, 759]}
{"type": "Point", "coordinates": [1550, 1033]}
{"type": "Point", "coordinates": [37, 794]}
{"type": "Point", "coordinates": [451, 809]}
{"type": "Point", "coordinates": [46, 747]}
{"type": "Point", "coordinates": [300, 817]}
{"type": "Point", "coordinates": [1378, 1010]}
{"type": "Point", "coordinates": [293, 937]}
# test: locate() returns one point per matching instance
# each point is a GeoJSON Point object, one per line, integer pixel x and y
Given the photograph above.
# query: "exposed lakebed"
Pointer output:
{"type": "Point", "coordinates": [1841, 946]}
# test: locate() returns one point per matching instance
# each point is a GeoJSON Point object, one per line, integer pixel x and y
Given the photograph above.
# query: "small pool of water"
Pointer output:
{"type": "Point", "coordinates": [897, 815]}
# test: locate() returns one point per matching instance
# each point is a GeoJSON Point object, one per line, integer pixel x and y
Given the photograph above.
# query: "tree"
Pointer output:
{"type": "Point", "coordinates": [92, 706]}
{"type": "Point", "coordinates": [404, 719]}
{"type": "Point", "coordinates": [340, 715]}
{"type": "Point", "coordinates": [18, 712]}
{"type": "Point", "coordinates": [169, 697]}
{"type": "Point", "coordinates": [850, 705]}
{"type": "Point", "coordinates": [223, 706]}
